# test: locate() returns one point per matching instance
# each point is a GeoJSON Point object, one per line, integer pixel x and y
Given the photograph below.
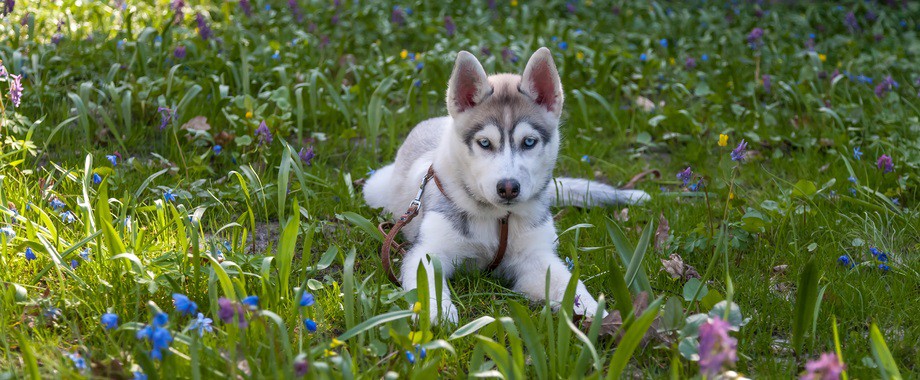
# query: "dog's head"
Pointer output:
{"type": "Point", "coordinates": [506, 128]}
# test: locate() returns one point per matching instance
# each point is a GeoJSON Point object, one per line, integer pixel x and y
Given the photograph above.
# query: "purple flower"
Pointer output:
{"type": "Point", "coordinates": [228, 309]}
{"type": "Point", "coordinates": [755, 38]}
{"type": "Point", "coordinates": [177, 6]}
{"type": "Point", "coordinates": [485, 51]}
{"type": "Point", "coordinates": [179, 53]}
{"type": "Point", "coordinates": [767, 82]}
{"type": "Point", "coordinates": [690, 63]}
{"type": "Point", "coordinates": [16, 90]}
{"type": "Point", "coordinates": [295, 10]}
{"type": "Point", "coordinates": [203, 29]}
{"type": "Point", "coordinates": [265, 135]}
{"type": "Point", "coordinates": [8, 6]}
{"type": "Point", "coordinates": [166, 114]}
{"type": "Point", "coordinates": [851, 23]}
{"type": "Point", "coordinates": [3, 72]}
{"type": "Point", "coordinates": [247, 7]}
{"type": "Point", "coordinates": [685, 175]}
{"type": "Point", "coordinates": [307, 155]}
{"type": "Point", "coordinates": [570, 7]}
{"type": "Point", "coordinates": [509, 56]}
{"type": "Point", "coordinates": [301, 367]}
{"type": "Point", "coordinates": [885, 86]}
{"type": "Point", "coordinates": [450, 26]}
{"type": "Point", "coordinates": [884, 163]}
{"type": "Point", "coordinates": [398, 17]}
{"type": "Point", "coordinates": [56, 38]}
{"type": "Point", "coordinates": [717, 348]}
{"type": "Point", "coordinates": [109, 321]}
{"type": "Point", "coordinates": [738, 153]}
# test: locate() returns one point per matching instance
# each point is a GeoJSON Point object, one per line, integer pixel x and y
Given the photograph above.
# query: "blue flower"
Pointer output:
{"type": "Point", "coordinates": [845, 261]}
{"type": "Point", "coordinates": [307, 299]}
{"type": "Point", "coordinates": [874, 251]}
{"type": "Point", "coordinates": [112, 158]}
{"type": "Point", "coordinates": [276, 56]}
{"type": "Point", "coordinates": [161, 339]}
{"type": "Point", "coordinates": [184, 304]}
{"type": "Point", "coordinates": [97, 179]}
{"type": "Point", "coordinates": [857, 153]}
{"type": "Point", "coordinates": [74, 264]}
{"type": "Point", "coordinates": [884, 268]}
{"type": "Point", "coordinates": [29, 254]}
{"type": "Point", "coordinates": [422, 353]}
{"type": "Point", "coordinates": [8, 232]}
{"type": "Point", "coordinates": [705, 57]}
{"type": "Point", "coordinates": [56, 204]}
{"type": "Point", "coordinates": [852, 179]}
{"type": "Point", "coordinates": [160, 319]}
{"type": "Point", "coordinates": [563, 45]}
{"type": "Point", "coordinates": [643, 57]}
{"type": "Point", "coordinates": [852, 191]}
{"type": "Point", "coordinates": [218, 149]}
{"type": "Point", "coordinates": [663, 42]}
{"type": "Point", "coordinates": [310, 324]}
{"type": "Point", "coordinates": [419, 66]}
{"type": "Point", "coordinates": [586, 158]}
{"type": "Point", "coordinates": [202, 324]}
{"type": "Point", "coordinates": [78, 362]}
{"type": "Point", "coordinates": [410, 357]}
{"type": "Point", "coordinates": [68, 217]}
{"type": "Point", "coordinates": [883, 257]}
{"type": "Point", "coordinates": [109, 321]}
{"type": "Point", "coordinates": [84, 254]}
{"type": "Point", "coordinates": [138, 375]}
{"type": "Point", "coordinates": [251, 301]}
{"type": "Point", "coordinates": [569, 264]}
{"type": "Point", "coordinates": [169, 196]}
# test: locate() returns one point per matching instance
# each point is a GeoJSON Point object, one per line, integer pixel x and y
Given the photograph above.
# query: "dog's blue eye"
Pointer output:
{"type": "Point", "coordinates": [530, 142]}
{"type": "Point", "coordinates": [484, 143]}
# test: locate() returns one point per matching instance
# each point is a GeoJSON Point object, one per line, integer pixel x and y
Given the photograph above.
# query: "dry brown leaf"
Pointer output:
{"type": "Point", "coordinates": [223, 138]}
{"type": "Point", "coordinates": [197, 123]}
{"type": "Point", "coordinates": [661, 235]}
{"type": "Point", "coordinates": [676, 267]}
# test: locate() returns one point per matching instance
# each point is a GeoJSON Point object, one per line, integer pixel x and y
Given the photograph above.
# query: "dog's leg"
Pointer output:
{"type": "Point", "coordinates": [530, 275]}
{"type": "Point", "coordinates": [409, 272]}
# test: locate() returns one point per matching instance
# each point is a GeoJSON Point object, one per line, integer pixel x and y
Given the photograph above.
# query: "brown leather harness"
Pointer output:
{"type": "Point", "coordinates": [389, 241]}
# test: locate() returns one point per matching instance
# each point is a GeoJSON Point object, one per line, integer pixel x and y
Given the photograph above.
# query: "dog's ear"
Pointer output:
{"type": "Point", "coordinates": [541, 81]}
{"type": "Point", "coordinates": [468, 84]}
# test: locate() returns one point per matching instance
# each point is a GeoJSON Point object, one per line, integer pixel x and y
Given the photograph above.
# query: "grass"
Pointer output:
{"type": "Point", "coordinates": [350, 80]}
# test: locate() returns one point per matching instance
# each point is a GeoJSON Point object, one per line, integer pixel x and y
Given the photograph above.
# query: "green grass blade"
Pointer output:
{"type": "Point", "coordinates": [887, 367]}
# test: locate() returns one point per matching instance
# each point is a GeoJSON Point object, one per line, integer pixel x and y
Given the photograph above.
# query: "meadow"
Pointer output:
{"type": "Point", "coordinates": [181, 189]}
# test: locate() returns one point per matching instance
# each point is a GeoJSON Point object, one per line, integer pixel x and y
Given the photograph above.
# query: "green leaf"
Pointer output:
{"type": "Point", "coordinates": [375, 321]}
{"type": "Point", "coordinates": [804, 189]}
{"type": "Point", "coordinates": [532, 338]}
{"type": "Point", "coordinates": [471, 327]}
{"type": "Point", "coordinates": [806, 298]}
{"type": "Point", "coordinates": [631, 340]}
{"type": "Point", "coordinates": [691, 287]}
{"type": "Point", "coordinates": [285, 255]}
{"type": "Point", "coordinates": [887, 367]}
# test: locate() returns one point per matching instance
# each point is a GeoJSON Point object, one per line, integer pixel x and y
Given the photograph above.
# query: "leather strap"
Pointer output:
{"type": "Point", "coordinates": [389, 241]}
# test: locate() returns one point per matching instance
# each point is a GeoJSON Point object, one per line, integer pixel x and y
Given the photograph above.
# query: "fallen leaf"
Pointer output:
{"type": "Point", "coordinates": [197, 123]}
{"type": "Point", "coordinates": [223, 138]}
{"type": "Point", "coordinates": [622, 216]}
{"type": "Point", "coordinates": [675, 267]}
{"type": "Point", "coordinates": [661, 235]}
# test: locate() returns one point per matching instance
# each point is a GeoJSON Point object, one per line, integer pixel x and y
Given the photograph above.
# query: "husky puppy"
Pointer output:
{"type": "Point", "coordinates": [493, 155]}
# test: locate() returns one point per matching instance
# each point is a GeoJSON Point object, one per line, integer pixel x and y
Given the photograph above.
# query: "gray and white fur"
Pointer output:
{"type": "Point", "coordinates": [495, 153]}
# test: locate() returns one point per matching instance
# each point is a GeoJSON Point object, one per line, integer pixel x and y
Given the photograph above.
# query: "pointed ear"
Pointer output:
{"type": "Point", "coordinates": [468, 84]}
{"type": "Point", "coordinates": [541, 81]}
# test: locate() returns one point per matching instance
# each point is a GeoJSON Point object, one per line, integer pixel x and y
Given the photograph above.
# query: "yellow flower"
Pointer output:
{"type": "Point", "coordinates": [822, 57]}
{"type": "Point", "coordinates": [328, 353]}
{"type": "Point", "coordinates": [417, 308]}
{"type": "Point", "coordinates": [403, 54]}
{"type": "Point", "coordinates": [671, 61]}
{"type": "Point", "coordinates": [723, 140]}
{"type": "Point", "coordinates": [731, 196]}
{"type": "Point", "coordinates": [580, 56]}
{"type": "Point", "coordinates": [249, 114]}
{"type": "Point", "coordinates": [514, 3]}
{"type": "Point", "coordinates": [335, 343]}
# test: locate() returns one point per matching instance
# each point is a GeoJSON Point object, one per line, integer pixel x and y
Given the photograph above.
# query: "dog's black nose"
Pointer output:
{"type": "Point", "coordinates": [508, 188]}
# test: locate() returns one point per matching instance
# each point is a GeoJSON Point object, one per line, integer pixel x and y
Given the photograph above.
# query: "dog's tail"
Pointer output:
{"type": "Point", "coordinates": [581, 192]}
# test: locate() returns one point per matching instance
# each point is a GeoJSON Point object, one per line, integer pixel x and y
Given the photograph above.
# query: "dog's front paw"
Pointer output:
{"type": "Point", "coordinates": [449, 313]}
